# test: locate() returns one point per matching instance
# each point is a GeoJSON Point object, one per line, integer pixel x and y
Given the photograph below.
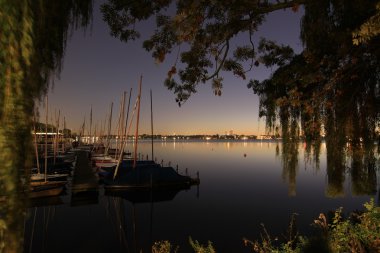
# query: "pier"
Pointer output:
{"type": "Point", "coordinates": [84, 178]}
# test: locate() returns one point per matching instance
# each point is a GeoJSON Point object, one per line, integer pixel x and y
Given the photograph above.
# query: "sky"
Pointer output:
{"type": "Point", "coordinates": [98, 68]}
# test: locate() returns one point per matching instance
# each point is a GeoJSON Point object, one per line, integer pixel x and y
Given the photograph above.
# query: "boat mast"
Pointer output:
{"type": "Point", "coordinates": [122, 121]}
{"type": "Point", "coordinates": [46, 135]}
{"type": "Point", "coordinates": [137, 123]}
{"type": "Point", "coordinates": [35, 142]}
{"type": "Point", "coordinates": [126, 120]}
{"type": "Point", "coordinates": [90, 133]}
{"type": "Point", "coordinates": [126, 134]}
{"type": "Point", "coordinates": [109, 131]}
{"type": "Point", "coordinates": [151, 120]}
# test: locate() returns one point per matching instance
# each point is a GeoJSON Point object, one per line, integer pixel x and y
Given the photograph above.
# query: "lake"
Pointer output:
{"type": "Point", "coordinates": [243, 184]}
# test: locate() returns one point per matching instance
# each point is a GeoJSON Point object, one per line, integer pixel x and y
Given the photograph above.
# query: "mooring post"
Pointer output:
{"type": "Point", "coordinates": [147, 157]}
{"type": "Point", "coordinates": [186, 172]}
{"type": "Point", "coordinates": [162, 163]}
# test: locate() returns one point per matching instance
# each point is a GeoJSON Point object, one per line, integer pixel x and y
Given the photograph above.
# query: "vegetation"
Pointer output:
{"type": "Point", "coordinates": [359, 233]}
{"type": "Point", "coordinates": [32, 45]}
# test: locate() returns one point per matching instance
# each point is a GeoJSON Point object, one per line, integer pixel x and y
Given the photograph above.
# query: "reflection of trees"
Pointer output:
{"type": "Point", "coordinates": [290, 155]}
{"type": "Point", "coordinates": [290, 165]}
{"type": "Point", "coordinates": [342, 157]}
{"type": "Point", "coordinates": [312, 153]}
{"type": "Point", "coordinates": [336, 160]}
{"type": "Point", "coordinates": [363, 171]}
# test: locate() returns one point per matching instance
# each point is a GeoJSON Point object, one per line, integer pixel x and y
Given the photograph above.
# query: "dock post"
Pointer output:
{"type": "Point", "coordinates": [162, 163]}
{"type": "Point", "coordinates": [186, 172]}
{"type": "Point", "coordinates": [177, 168]}
{"type": "Point", "coordinates": [169, 164]}
{"type": "Point", "coordinates": [147, 157]}
{"type": "Point", "coordinates": [198, 175]}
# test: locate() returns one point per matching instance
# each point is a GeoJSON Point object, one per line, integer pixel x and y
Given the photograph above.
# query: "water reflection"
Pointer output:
{"type": "Point", "coordinates": [123, 210]}
{"type": "Point", "coordinates": [242, 183]}
{"type": "Point", "coordinates": [363, 171]}
{"type": "Point", "coordinates": [290, 165]}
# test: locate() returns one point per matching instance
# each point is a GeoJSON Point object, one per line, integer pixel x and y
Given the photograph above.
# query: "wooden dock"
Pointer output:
{"type": "Point", "coordinates": [84, 178]}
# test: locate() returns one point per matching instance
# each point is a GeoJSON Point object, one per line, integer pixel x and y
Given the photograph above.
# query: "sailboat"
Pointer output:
{"type": "Point", "coordinates": [46, 187]}
{"type": "Point", "coordinates": [143, 175]}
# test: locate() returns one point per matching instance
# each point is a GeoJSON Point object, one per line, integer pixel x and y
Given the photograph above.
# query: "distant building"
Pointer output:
{"type": "Point", "coordinates": [265, 137]}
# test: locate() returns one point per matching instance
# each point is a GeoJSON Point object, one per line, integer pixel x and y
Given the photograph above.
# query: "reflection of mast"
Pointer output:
{"type": "Point", "coordinates": [32, 235]}
{"type": "Point", "coordinates": [151, 214]}
{"type": "Point", "coordinates": [134, 235]}
{"type": "Point", "coordinates": [120, 223]}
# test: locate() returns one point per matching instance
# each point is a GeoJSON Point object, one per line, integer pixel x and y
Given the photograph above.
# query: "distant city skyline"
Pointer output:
{"type": "Point", "coordinates": [98, 68]}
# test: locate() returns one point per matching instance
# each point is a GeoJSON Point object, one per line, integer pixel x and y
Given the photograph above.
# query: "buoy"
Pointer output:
{"type": "Point", "coordinates": [245, 155]}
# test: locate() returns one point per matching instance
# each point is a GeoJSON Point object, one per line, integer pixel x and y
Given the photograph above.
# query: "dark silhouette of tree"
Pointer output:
{"type": "Point", "coordinates": [32, 44]}
{"type": "Point", "coordinates": [332, 85]}
{"type": "Point", "coordinates": [199, 33]}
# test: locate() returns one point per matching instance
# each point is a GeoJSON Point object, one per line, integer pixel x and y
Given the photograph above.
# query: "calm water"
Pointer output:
{"type": "Point", "coordinates": [243, 184]}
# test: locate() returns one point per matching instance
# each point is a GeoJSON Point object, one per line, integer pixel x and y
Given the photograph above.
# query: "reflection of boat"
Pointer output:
{"type": "Point", "coordinates": [123, 215]}
{"type": "Point", "coordinates": [85, 198]}
{"type": "Point", "coordinates": [43, 202]}
{"type": "Point", "coordinates": [147, 196]}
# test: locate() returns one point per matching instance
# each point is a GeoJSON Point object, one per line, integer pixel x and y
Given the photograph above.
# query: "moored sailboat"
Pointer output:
{"type": "Point", "coordinates": [45, 188]}
{"type": "Point", "coordinates": [131, 174]}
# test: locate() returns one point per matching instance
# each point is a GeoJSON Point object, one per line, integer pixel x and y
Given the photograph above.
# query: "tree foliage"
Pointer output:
{"type": "Point", "coordinates": [331, 87]}
{"type": "Point", "coordinates": [369, 29]}
{"type": "Point", "coordinates": [199, 32]}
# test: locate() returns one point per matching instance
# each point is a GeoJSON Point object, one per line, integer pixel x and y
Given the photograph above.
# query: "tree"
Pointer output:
{"type": "Point", "coordinates": [32, 44]}
{"type": "Point", "coordinates": [309, 93]}
{"type": "Point", "coordinates": [369, 29]}
{"type": "Point", "coordinates": [332, 85]}
{"type": "Point", "coordinates": [199, 32]}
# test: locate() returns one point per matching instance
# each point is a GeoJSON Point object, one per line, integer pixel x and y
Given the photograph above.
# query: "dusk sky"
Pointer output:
{"type": "Point", "coordinates": [98, 68]}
